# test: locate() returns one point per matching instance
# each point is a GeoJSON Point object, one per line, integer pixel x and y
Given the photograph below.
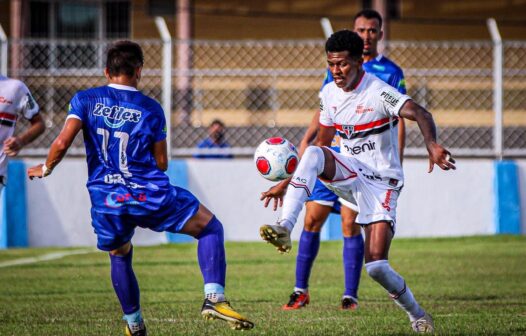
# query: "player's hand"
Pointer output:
{"type": "Point", "coordinates": [440, 156]}
{"type": "Point", "coordinates": [275, 193]}
{"type": "Point", "coordinates": [12, 146]}
{"type": "Point", "coordinates": [35, 171]}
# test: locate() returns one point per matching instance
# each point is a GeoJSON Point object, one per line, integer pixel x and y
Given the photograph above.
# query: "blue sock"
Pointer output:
{"type": "Point", "coordinates": [211, 254]}
{"type": "Point", "coordinates": [307, 251]}
{"type": "Point", "coordinates": [352, 263]}
{"type": "Point", "coordinates": [125, 283]}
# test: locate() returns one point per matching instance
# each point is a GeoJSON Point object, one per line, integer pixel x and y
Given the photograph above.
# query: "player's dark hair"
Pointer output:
{"type": "Point", "coordinates": [369, 14]}
{"type": "Point", "coordinates": [217, 122]}
{"type": "Point", "coordinates": [345, 40]}
{"type": "Point", "coordinates": [123, 57]}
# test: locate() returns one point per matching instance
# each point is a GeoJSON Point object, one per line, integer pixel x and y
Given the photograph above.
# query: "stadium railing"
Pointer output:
{"type": "Point", "coordinates": [270, 87]}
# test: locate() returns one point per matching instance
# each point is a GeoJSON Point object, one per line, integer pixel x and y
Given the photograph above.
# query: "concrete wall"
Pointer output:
{"type": "Point", "coordinates": [454, 203]}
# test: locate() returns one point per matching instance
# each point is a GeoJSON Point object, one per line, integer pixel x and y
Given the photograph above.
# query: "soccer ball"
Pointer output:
{"type": "Point", "coordinates": [276, 159]}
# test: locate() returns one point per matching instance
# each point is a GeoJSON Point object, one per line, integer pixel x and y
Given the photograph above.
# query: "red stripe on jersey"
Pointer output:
{"type": "Point", "coordinates": [364, 127]}
{"type": "Point", "coordinates": [7, 116]}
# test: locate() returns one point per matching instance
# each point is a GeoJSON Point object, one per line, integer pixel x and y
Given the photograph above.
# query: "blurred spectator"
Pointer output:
{"type": "Point", "coordinates": [215, 140]}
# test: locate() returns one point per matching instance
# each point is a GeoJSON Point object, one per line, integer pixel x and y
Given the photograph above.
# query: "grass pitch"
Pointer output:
{"type": "Point", "coordinates": [471, 286]}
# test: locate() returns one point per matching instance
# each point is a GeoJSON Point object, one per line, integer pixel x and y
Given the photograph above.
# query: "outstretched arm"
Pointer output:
{"type": "Point", "coordinates": [58, 149]}
{"type": "Point", "coordinates": [14, 144]}
{"type": "Point", "coordinates": [437, 154]}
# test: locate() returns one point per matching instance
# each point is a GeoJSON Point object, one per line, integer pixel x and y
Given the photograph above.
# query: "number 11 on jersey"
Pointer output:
{"type": "Point", "coordinates": [123, 143]}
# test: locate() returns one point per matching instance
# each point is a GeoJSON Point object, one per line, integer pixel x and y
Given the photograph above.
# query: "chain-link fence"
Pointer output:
{"type": "Point", "coordinates": [270, 88]}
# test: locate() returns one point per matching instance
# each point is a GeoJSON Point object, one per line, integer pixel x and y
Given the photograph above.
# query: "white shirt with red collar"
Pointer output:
{"type": "Point", "coordinates": [366, 118]}
{"type": "Point", "coordinates": [15, 101]}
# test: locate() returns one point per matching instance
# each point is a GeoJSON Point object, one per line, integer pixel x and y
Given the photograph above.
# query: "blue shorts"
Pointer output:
{"type": "Point", "coordinates": [113, 231]}
{"type": "Point", "coordinates": [322, 193]}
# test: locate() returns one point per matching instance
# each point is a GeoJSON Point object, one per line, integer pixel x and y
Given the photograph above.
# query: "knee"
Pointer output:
{"type": "Point", "coordinates": [312, 223]}
{"type": "Point", "coordinates": [315, 157]}
{"type": "Point", "coordinates": [122, 251]}
{"type": "Point", "coordinates": [376, 269]}
{"type": "Point", "coordinates": [214, 226]}
{"type": "Point", "coordinates": [349, 226]}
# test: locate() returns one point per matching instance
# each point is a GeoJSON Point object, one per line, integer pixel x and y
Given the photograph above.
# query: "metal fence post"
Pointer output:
{"type": "Point", "coordinates": [167, 79]}
{"type": "Point", "coordinates": [3, 52]}
{"type": "Point", "coordinates": [497, 86]}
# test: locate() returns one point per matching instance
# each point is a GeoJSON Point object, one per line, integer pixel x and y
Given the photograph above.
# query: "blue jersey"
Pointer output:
{"type": "Point", "coordinates": [120, 126]}
{"type": "Point", "coordinates": [383, 68]}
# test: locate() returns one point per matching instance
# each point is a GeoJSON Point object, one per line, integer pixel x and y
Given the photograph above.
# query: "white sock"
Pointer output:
{"type": "Point", "coordinates": [300, 187]}
{"type": "Point", "coordinates": [382, 273]}
{"type": "Point", "coordinates": [303, 290]}
{"type": "Point", "coordinates": [216, 297]}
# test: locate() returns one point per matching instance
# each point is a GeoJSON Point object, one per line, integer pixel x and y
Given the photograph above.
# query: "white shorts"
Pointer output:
{"type": "Point", "coordinates": [376, 198]}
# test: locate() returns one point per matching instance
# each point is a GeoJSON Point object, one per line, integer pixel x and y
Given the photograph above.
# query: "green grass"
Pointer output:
{"type": "Point", "coordinates": [471, 286]}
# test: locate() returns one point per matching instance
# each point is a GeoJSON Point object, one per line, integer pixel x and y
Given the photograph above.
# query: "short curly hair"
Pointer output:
{"type": "Point", "coordinates": [345, 40]}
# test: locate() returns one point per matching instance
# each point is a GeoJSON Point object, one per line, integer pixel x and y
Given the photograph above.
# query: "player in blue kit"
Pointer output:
{"type": "Point", "coordinates": [125, 139]}
{"type": "Point", "coordinates": [368, 25]}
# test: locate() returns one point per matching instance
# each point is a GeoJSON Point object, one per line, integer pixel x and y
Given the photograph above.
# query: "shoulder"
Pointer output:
{"type": "Point", "coordinates": [375, 85]}
{"type": "Point", "coordinates": [328, 88]}
{"type": "Point", "coordinates": [16, 85]}
{"type": "Point", "coordinates": [392, 65]}
{"type": "Point", "coordinates": [92, 92]}
{"type": "Point", "coordinates": [151, 104]}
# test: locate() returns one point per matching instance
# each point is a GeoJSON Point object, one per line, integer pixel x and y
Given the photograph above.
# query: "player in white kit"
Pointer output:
{"type": "Point", "coordinates": [364, 111]}
{"type": "Point", "coordinates": [15, 101]}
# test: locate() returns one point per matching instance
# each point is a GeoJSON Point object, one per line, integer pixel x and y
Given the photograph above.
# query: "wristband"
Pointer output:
{"type": "Point", "coordinates": [45, 170]}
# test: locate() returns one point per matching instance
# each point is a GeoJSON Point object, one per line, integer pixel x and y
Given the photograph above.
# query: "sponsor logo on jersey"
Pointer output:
{"type": "Point", "coordinates": [360, 109]}
{"type": "Point", "coordinates": [31, 103]}
{"type": "Point", "coordinates": [355, 150]}
{"type": "Point", "coordinates": [116, 116]}
{"type": "Point", "coordinates": [390, 98]}
{"type": "Point", "coordinates": [3, 100]}
{"type": "Point", "coordinates": [321, 105]}
{"type": "Point", "coordinates": [379, 67]}
{"type": "Point", "coordinates": [372, 176]}
{"type": "Point", "coordinates": [117, 200]}
{"type": "Point", "coordinates": [118, 179]}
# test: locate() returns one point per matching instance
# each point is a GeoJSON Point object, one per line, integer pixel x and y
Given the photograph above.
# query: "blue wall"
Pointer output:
{"type": "Point", "coordinates": [13, 218]}
{"type": "Point", "coordinates": [507, 199]}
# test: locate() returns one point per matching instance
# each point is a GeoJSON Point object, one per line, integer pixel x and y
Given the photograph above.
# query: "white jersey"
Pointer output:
{"type": "Point", "coordinates": [366, 119]}
{"type": "Point", "coordinates": [15, 101]}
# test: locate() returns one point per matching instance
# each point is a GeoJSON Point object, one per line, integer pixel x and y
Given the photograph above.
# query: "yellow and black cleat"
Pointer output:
{"type": "Point", "coordinates": [223, 311]}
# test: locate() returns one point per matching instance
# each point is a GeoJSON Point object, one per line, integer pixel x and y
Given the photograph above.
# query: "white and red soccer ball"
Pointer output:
{"type": "Point", "coordinates": [276, 159]}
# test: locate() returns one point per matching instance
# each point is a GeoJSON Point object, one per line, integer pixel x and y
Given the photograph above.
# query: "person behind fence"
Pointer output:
{"type": "Point", "coordinates": [215, 144]}
{"type": "Point", "coordinates": [16, 100]}
{"type": "Point", "coordinates": [364, 111]}
{"type": "Point", "coordinates": [368, 24]}
{"type": "Point", "coordinates": [125, 139]}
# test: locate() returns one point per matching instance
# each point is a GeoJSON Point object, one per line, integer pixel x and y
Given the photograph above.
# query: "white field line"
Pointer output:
{"type": "Point", "coordinates": [44, 257]}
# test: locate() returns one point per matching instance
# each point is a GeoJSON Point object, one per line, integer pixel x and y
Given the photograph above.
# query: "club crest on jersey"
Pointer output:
{"type": "Point", "coordinates": [116, 116]}
{"type": "Point", "coordinates": [348, 130]}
